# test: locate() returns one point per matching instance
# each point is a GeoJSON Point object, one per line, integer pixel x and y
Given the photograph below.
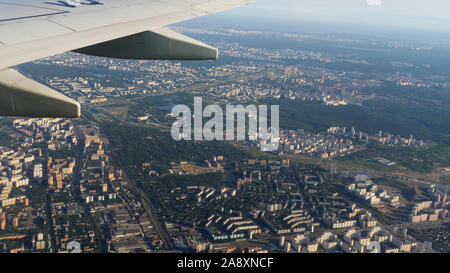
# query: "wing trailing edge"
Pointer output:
{"type": "Point", "coordinates": [23, 97]}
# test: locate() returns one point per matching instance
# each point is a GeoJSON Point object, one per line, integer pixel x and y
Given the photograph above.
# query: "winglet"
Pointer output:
{"type": "Point", "coordinates": [23, 97]}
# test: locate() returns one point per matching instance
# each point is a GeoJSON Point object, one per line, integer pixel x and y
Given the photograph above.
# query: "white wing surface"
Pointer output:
{"type": "Point", "coordinates": [130, 29]}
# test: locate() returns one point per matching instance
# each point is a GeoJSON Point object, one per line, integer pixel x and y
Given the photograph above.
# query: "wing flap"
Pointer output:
{"type": "Point", "coordinates": [17, 32]}
{"type": "Point", "coordinates": [23, 97]}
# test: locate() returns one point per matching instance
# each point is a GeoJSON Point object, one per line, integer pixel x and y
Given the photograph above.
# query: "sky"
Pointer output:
{"type": "Point", "coordinates": [420, 14]}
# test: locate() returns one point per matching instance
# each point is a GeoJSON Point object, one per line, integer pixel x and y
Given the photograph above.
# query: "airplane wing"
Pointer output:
{"type": "Point", "coordinates": [129, 29]}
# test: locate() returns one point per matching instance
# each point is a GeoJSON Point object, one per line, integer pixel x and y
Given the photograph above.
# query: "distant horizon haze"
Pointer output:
{"type": "Point", "coordinates": [416, 15]}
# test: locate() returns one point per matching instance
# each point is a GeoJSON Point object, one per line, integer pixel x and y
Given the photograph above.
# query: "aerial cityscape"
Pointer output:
{"type": "Point", "coordinates": [363, 155]}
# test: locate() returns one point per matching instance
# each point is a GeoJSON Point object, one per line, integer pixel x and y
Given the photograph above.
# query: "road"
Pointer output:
{"type": "Point", "coordinates": [140, 195]}
{"type": "Point", "coordinates": [151, 212]}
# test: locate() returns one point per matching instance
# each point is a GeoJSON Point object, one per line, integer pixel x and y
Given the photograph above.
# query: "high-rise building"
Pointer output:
{"type": "Point", "coordinates": [2, 221]}
{"type": "Point", "coordinates": [59, 182]}
{"type": "Point", "coordinates": [282, 241]}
